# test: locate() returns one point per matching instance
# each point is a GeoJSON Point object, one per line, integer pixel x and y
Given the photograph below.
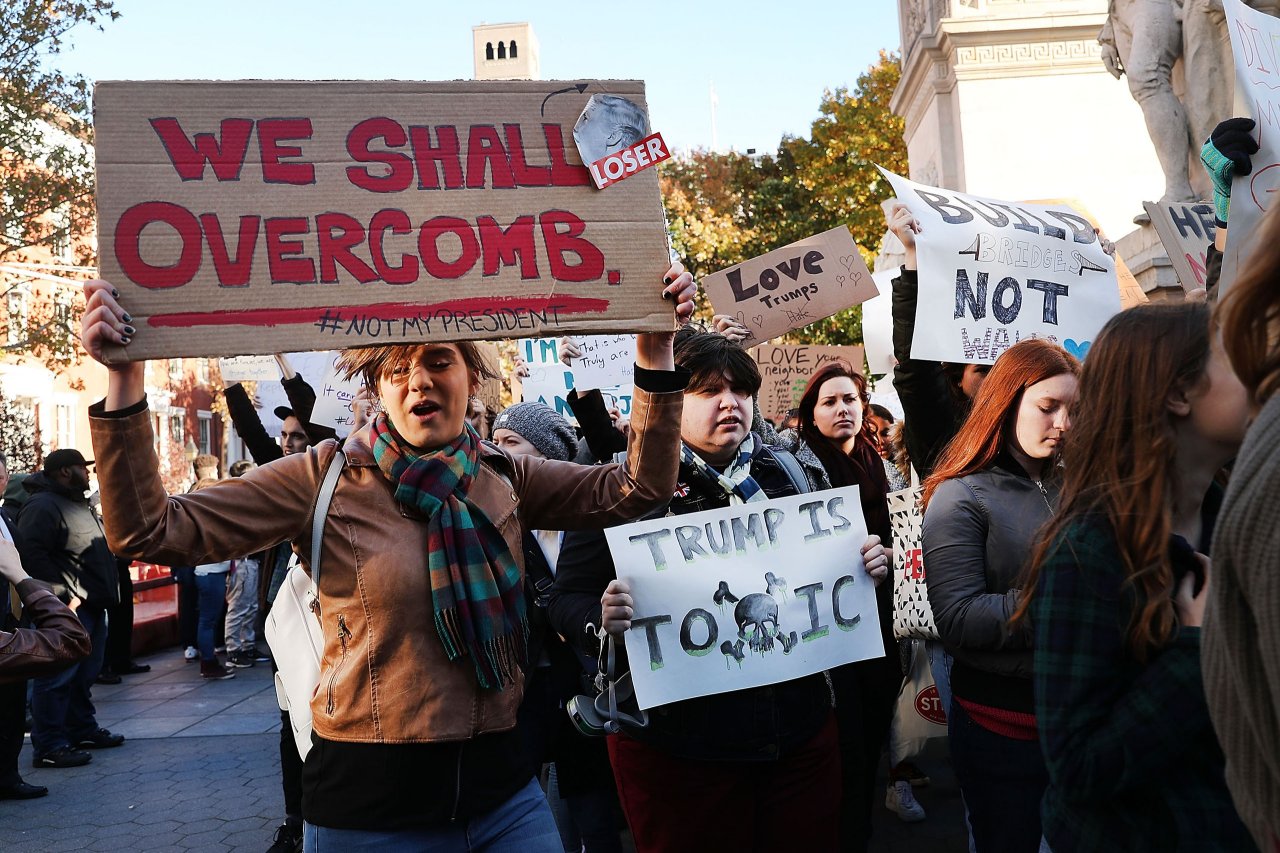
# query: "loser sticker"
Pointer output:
{"type": "Point", "coordinates": [623, 164]}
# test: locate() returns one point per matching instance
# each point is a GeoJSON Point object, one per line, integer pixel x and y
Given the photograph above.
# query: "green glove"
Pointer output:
{"type": "Point", "coordinates": [1225, 154]}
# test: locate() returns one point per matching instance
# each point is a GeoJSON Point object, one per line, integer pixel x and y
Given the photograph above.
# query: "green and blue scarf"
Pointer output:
{"type": "Point", "coordinates": [476, 589]}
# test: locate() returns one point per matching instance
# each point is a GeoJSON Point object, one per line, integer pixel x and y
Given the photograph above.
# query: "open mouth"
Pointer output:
{"type": "Point", "coordinates": [425, 409]}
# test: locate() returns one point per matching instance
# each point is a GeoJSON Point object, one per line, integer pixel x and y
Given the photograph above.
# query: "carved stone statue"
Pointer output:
{"type": "Point", "coordinates": [1143, 40]}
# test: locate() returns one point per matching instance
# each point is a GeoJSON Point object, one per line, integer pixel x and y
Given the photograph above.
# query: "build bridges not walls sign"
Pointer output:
{"type": "Point", "coordinates": [269, 216]}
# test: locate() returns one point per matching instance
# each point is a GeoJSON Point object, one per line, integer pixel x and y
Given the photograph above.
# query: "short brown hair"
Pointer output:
{"type": "Point", "coordinates": [711, 357]}
{"type": "Point", "coordinates": [372, 363]}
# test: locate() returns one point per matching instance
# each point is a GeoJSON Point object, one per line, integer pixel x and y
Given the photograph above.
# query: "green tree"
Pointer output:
{"type": "Point", "coordinates": [725, 208]}
{"type": "Point", "coordinates": [46, 159]}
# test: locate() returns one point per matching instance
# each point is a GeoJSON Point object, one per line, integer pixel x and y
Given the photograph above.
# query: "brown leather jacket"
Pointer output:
{"type": "Point", "coordinates": [384, 676]}
{"type": "Point", "coordinates": [57, 640]}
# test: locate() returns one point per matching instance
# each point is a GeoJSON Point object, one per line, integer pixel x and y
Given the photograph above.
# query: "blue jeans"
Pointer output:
{"type": "Point", "coordinates": [1002, 780]}
{"type": "Point", "coordinates": [213, 595]}
{"type": "Point", "coordinates": [62, 711]}
{"type": "Point", "coordinates": [522, 824]}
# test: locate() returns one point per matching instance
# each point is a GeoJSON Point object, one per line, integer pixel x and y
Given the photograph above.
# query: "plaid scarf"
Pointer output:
{"type": "Point", "coordinates": [476, 589]}
{"type": "Point", "coordinates": [735, 483]}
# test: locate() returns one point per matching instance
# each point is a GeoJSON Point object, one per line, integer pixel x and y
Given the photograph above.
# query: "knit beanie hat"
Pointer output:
{"type": "Point", "coordinates": [541, 426]}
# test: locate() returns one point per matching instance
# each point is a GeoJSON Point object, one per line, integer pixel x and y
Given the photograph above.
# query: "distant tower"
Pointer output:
{"type": "Point", "coordinates": [505, 51]}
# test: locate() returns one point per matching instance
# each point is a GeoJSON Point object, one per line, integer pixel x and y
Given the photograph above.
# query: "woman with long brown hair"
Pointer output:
{"type": "Point", "coordinates": [1115, 593]}
{"type": "Point", "coordinates": [993, 487]}
{"type": "Point", "coordinates": [833, 424]}
{"type": "Point", "coordinates": [1241, 633]}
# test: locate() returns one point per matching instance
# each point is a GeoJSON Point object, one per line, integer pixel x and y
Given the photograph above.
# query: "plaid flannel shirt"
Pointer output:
{"type": "Point", "coordinates": [1133, 760]}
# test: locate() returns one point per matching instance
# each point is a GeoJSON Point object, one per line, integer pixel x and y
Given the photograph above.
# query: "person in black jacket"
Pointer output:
{"type": "Point", "coordinates": [63, 544]}
{"type": "Point", "coordinates": [756, 768]}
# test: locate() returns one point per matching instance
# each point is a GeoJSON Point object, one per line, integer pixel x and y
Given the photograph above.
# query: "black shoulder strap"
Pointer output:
{"type": "Point", "coordinates": [791, 467]}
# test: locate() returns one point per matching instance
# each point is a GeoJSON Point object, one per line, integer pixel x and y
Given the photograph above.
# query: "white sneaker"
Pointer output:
{"type": "Point", "coordinates": [898, 798]}
{"type": "Point", "coordinates": [190, 653]}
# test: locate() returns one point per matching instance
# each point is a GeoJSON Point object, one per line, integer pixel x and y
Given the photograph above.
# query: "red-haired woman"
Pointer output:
{"type": "Point", "coordinates": [993, 487]}
{"type": "Point", "coordinates": [1116, 593]}
{"type": "Point", "coordinates": [834, 427]}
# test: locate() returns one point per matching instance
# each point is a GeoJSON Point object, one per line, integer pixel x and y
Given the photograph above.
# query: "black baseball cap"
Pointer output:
{"type": "Point", "coordinates": [59, 459]}
{"type": "Point", "coordinates": [283, 412]}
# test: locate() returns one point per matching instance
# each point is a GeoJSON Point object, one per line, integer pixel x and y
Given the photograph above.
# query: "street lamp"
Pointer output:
{"type": "Point", "coordinates": [190, 450]}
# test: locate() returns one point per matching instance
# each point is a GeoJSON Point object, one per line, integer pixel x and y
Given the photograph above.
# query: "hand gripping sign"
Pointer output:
{"type": "Point", "coordinates": [993, 273]}
{"type": "Point", "coordinates": [747, 595]}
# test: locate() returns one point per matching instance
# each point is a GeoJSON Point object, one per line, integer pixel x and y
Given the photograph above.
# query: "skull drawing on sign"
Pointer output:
{"type": "Point", "coordinates": [757, 620]}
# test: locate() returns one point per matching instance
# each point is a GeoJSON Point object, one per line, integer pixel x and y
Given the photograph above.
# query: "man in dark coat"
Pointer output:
{"type": "Point", "coordinates": [63, 544]}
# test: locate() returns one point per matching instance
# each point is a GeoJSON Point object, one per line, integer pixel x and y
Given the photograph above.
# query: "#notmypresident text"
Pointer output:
{"type": "Point", "coordinates": [619, 165]}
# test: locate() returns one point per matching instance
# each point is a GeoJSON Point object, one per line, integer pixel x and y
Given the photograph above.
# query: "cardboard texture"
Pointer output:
{"type": "Point", "coordinates": [746, 595]}
{"type": "Point", "coordinates": [785, 370]}
{"type": "Point", "coordinates": [791, 287]}
{"type": "Point", "coordinates": [1257, 95]}
{"type": "Point", "coordinates": [1131, 293]}
{"type": "Point", "coordinates": [1186, 231]}
{"type": "Point", "coordinates": [995, 272]}
{"type": "Point", "coordinates": [251, 217]}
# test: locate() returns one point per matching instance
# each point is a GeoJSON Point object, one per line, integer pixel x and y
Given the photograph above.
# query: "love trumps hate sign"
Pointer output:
{"type": "Point", "coordinates": [791, 287]}
{"type": "Point", "coordinates": [251, 217]}
{"type": "Point", "coordinates": [716, 610]}
{"type": "Point", "coordinates": [993, 273]}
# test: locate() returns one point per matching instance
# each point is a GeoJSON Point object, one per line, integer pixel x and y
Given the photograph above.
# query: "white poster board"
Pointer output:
{"type": "Point", "coordinates": [311, 366]}
{"type": "Point", "coordinates": [606, 361]}
{"type": "Point", "coordinates": [334, 396]}
{"type": "Point", "coordinates": [248, 368]}
{"type": "Point", "coordinates": [746, 595]}
{"type": "Point", "coordinates": [995, 272]}
{"type": "Point", "coordinates": [550, 382]}
{"type": "Point", "coordinates": [877, 324]}
{"type": "Point", "coordinates": [1254, 37]}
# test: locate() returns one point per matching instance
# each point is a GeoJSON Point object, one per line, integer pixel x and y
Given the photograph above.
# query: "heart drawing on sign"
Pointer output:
{"type": "Point", "coordinates": [848, 261]}
{"type": "Point", "coordinates": [1079, 350]}
{"type": "Point", "coordinates": [741, 318]}
{"type": "Point", "coordinates": [840, 280]}
{"type": "Point", "coordinates": [758, 320]}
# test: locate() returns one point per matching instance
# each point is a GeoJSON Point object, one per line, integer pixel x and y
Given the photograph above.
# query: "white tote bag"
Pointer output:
{"type": "Point", "coordinates": [293, 625]}
{"type": "Point", "coordinates": [912, 615]}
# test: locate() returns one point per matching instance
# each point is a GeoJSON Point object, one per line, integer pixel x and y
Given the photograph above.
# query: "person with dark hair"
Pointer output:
{"type": "Point", "coordinates": [1241, 643]}
{"type": "Point", "coordinates": [63, 544]}
{"type": "Point", "coordinates": [993, 488]}
{"type": "Point", "coordinates": [421, 601]}
{"type": "Point", "coordinates": [881, 419]}
{"type": "Point", "coordinates": [1116, 592]}
{"type": "Point", "coordinates": [702, 759]}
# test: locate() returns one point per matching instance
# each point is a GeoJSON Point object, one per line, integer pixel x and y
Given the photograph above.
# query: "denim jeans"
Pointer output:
{"type": "Point", "coordinates": [1002, 780]}
{"type": "Point", "coordinates": [62, 710]}
{"type": "Point", "coordinates": [242, 606]}
{"type": "Point", "coordinates": [522, 824]}
{"type": "Point", "coordinates": [213, 595]}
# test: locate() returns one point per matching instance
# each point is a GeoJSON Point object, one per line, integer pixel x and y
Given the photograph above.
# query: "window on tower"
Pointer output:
{"type": "Point", "coordinates": [513, 48]}
{"type": "Point", "coordinates": [488, 50]}
{"type": "Point", "coordinates": [502, 50]}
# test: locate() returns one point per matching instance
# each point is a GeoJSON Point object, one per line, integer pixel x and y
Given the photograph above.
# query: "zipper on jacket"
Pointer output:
{"type": "Point", "coordinates": [1044, 493]}
{"type": "Point", "coordinates": [344, 634]}
{"type": "Point", "coordinates": [457, 784]}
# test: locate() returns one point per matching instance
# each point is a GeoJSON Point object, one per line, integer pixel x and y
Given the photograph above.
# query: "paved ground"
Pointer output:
{"type": "Point", "coordinates": [200, 772]}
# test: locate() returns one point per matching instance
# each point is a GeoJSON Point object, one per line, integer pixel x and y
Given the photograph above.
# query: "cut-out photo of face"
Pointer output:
{"type": "Point", "coordinates": [608, 123]}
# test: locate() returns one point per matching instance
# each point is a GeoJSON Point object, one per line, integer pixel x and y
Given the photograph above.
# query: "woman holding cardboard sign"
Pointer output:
{"type": "Point", "coordinates": [1117, 590]}
{"type": "Point", "coordinates": [421, 598]}
{"type": "Point", "coordinates": [993, 488]}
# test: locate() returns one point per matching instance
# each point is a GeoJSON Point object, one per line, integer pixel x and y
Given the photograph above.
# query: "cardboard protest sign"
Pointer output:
{"type": "Point", "coordinates": [791, 287]}
{"type": "Point", "coordinates": [785, 370]}
{"type": "Point", "coordinates": [1254, 37]}
{"type": "Point", "coordinates": [746, 595]}
{"type": "Point", "coordinates": [334, 398]}
{"type": "Point", "coordinates": [1186, 231]}
{"type": "Point", "coordinates": [249, 217]}
{"type": "Point", "coordinates": [606, 361]}
{"type": "Point", "coordinates": [248, 368]}
{"type": "Point", "coordinates": [550, 382]}
{"type": "Point", "coordinates": [877, 324]}
{"type": "Point", "coordinates": [994, 272]}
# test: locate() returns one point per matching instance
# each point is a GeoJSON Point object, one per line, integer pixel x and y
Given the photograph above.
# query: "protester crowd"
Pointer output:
{"type": "Point", "coordinates": [1098, 546]}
